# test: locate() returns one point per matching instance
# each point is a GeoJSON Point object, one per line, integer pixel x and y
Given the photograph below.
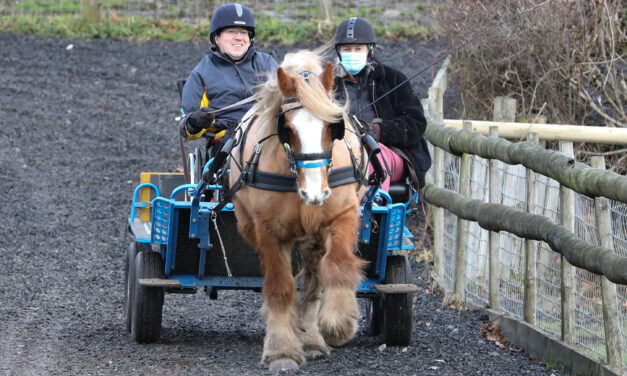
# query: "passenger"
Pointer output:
{"type": "Point", "coordinates": [397, 121]}
{"type": "Point", "coordinates": [227, 75]}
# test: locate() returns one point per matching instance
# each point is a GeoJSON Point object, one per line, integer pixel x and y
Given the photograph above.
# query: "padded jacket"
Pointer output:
{"type": "Point", "coordinates": [217, 79]}
{"type": "Point", "coordinates": [403, 124]}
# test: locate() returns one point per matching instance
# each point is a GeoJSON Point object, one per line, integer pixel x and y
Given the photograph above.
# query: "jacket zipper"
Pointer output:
{"type": "Point", "coordinates": [374, 107]}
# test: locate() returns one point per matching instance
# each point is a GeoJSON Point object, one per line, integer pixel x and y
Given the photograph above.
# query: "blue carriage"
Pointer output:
{"type": "Point", "coordinates": [180, 245]}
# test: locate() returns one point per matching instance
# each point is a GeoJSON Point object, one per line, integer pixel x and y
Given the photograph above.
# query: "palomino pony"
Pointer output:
{"type": "Point", "coordinates": [298, 129]}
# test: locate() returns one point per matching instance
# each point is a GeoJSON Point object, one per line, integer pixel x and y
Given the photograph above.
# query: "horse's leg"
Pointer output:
{"type": "Point", "coordinates": [245, 224]}
{"type": "Point", "coordinates": [282, 348]}
{"type": "Point", "coordinates": [340, 273]}
{"type": "Point", "coordinates": [313, 343]}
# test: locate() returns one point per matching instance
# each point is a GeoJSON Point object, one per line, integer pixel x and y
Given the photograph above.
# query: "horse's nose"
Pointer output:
{"type": "Point", "coordinates": [303, 194]}
{"type": "Point", "coordinates": [325, 194]}
{"type": "Point", "coordinates": [314, 199]}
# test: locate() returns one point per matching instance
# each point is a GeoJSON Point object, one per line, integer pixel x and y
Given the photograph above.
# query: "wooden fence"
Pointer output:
{"type": "Point", "coordinates": [529, 232]}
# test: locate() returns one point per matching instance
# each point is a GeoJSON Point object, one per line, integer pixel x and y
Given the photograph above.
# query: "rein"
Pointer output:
{"type": "Point", "coordinates": [238, 103]}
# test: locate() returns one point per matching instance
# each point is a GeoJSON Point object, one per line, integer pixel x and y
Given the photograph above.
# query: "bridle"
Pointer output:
{"type": "Point", "coordinates": [302, 159]}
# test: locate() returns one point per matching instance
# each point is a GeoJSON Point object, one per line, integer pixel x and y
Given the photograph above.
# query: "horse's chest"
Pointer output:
{"type": "Point", "coordinates": [297, 226]}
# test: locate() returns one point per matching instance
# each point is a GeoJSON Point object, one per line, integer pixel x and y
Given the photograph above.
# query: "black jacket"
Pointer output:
{"type": "Point", "coordinates": [403, 124]}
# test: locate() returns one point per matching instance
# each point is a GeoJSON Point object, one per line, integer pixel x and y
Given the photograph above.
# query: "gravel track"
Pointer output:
{"type": "Point", "coordinates": [78, 126]}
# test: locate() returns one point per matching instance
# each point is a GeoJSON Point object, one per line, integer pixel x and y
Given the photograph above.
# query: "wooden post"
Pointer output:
{"type": "Point", "coordinates": [532, 119]}
{"type": "Point", "coordinates": [438, 216]}
{"type": "Point", "coordinates": [504, 109]}
{"type": "Point", "coordinates": [567, 208]}
{"type": "Point", "coordinates": [462, 226]}
{"type": "Point", "coordinates": [494, 237]}
{"type": "Point", "coordinates": [438, 179]}
{"type": "Point", "coordinates": [531, 249]}
{"type": "Point", "coordinates": [92, 10]}
{"type": "Point", "coordinates": [608, 289]}
{"type": "Point", "coordinates": [436, 103]}
{"type": "Point", "coordinates": [324, 11]}
{"type": "Point", "coordinates": [441, 78]}
{"type": "Point", "coordinates": [506, 113]}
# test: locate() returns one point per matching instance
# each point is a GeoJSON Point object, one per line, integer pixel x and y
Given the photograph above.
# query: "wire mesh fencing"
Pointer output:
{"type": "Point", "coordinates": [512, 189]}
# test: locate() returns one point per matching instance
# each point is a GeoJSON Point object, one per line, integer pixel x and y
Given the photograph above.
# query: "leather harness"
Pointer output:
{"type": "Point", "coordinates": [253, 177]}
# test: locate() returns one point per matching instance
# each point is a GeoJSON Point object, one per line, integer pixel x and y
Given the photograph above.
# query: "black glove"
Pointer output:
{"type": "Point", "coordinates": [200, 119]}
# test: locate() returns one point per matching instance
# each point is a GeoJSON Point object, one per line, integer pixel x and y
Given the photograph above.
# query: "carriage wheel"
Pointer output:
{"type": "Point", "coordinates": [147, 301]}
{"type": "Point", "coordinates": [129, 283]}
{"type": "Point", "coordinates": [398, 308]}
{"type": "Point", "coordinates": [374, 315]}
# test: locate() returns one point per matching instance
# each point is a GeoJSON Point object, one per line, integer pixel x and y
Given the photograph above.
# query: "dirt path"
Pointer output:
{"type": "Point", "coordinates": [77, 127]}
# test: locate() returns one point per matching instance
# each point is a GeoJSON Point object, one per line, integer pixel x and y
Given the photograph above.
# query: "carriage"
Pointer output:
{"type": "Point", "coordinates": [178, 248]}
{"type": "Point", "coordinates": [185, 239]}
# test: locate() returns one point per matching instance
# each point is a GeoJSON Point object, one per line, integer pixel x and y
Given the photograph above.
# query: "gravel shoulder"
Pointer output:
{"type": "Point", "coordinates": [78, 126]}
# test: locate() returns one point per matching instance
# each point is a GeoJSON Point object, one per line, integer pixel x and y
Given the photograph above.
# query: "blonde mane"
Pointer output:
{"type": "Point", "coordinates": [311, 95]}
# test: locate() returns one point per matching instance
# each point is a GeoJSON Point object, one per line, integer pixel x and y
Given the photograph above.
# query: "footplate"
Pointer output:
{"type": "Point", "coordinates": [396, 288]}
{"type": "Point", "coordinates": [160, 282]}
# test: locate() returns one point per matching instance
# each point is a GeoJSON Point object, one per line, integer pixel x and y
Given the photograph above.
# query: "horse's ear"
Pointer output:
{"type": "Point", "coordinates": [287, 84]}
{"type": "Point", "coordinates": [326, 78]}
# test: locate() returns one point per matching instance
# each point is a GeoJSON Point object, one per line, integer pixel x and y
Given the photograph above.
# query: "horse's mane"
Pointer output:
{"type": "Point", "coordinates": [312, 95]}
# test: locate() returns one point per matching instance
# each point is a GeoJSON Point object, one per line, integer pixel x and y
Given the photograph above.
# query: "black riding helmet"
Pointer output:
{"type": "Point", "coordinates": [355, 30]}
{"type": "Point", "coordinates": [232, 15]}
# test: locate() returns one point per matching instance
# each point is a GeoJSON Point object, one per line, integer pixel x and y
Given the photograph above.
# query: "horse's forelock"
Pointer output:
{"type": "Point", "coordinates": [312, 95]}
{"type": "Point", "coordinates": [302, 61]}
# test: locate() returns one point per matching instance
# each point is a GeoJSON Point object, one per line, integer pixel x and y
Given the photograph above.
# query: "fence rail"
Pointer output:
{"type": "Point", "coordinates": [504, 203]}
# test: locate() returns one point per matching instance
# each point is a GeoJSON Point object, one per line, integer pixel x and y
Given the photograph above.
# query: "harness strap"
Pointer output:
{"type": "Point", "coordinates": [270, 181]}
{"type": "Point", "coordinates": [254, 157]}
{"type": "Point", "coordinates": [359, 175]}
{"type": "Point", "coordinates": [312, 156]}
{"type": "Point", "coordinates": [343, 175]}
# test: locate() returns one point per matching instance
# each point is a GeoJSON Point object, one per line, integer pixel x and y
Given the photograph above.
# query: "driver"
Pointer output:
{"type": "Point", "coordinates": [397, 120]}
{"type": "Point", "coordinates": [226, 75]}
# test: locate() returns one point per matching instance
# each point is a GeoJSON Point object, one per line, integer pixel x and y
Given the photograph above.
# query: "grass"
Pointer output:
{"type": "Point", "coordinates": [65, 20]}
{"type": "Point", "coordinates": [74, 26]}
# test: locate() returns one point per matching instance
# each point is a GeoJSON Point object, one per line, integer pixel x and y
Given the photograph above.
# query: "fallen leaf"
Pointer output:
{"type": "Point", "coordinates": [492, 332]}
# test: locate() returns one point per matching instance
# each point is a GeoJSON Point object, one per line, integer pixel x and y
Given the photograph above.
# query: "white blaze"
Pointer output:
{"type": "Point", "coordinates": [309, 129]}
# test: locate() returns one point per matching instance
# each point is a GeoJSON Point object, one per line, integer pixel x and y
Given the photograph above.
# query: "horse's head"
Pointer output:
{"type": "Point", "coordinates": [307, 125]}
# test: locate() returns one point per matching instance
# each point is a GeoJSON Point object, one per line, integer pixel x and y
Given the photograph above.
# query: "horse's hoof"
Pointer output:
{"type": "Point", "coordinates": [339, 334]}
{"type": "Point", "coordinates": [283, 365]}
{"type": "Point", "coordinates": [316, 350]}
{"type": "Point", "coordinates": [314, 354]}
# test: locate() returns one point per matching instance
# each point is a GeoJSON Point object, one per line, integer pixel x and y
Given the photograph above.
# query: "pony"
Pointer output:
{"type": "Point", "coordinates": [299, 131]}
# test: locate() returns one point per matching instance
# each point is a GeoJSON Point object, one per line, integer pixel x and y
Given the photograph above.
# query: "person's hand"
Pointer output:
{"type": "Point", "coordinates": [375, 125]}
{"type": "Point", "coordinates": [200, 119]}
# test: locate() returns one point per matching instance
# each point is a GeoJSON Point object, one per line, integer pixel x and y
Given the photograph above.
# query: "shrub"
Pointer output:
{"type": "Point", "coordinates": [564, 60]}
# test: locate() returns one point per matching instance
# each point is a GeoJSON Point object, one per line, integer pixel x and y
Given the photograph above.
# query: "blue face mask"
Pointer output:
{"type": "Point", "coordinates": [354, 62]}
